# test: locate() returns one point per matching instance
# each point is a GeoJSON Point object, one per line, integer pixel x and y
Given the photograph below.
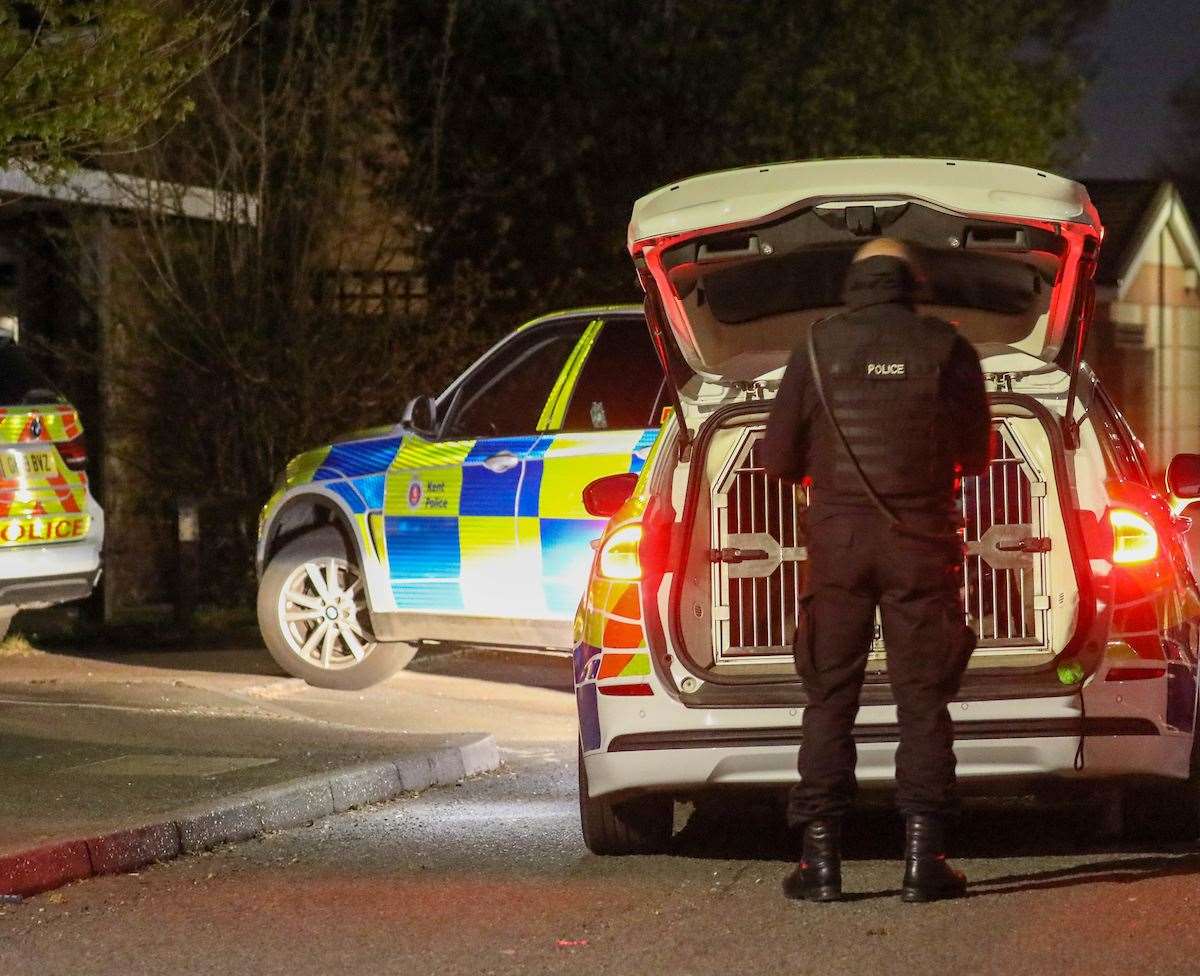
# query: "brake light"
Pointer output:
{"type": "Point", "coordinates": [640, 690]}
{"type": "Point", "coordinates": [1134, 674]}
{"type": "Point", "coordinates": [619, 553]}
{"type": "Point", "coordinates": [1134, 537]}
{"type": "Point", "coordinates": [74, 453]}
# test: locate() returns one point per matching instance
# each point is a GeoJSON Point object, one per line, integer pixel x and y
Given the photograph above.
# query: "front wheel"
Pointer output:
{"type": "Point", "coordinates": [641, 825]}
{"type": "Point", "coordinates": [312, 611]}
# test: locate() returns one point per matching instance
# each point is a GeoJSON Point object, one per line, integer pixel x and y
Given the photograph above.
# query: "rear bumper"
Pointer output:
{"type": "Point", "coordinates": [1006, 752]}
{"type": "Point", "coordinates": [47, 590]}
{"type": "Point", "coordinates": [37, 576]}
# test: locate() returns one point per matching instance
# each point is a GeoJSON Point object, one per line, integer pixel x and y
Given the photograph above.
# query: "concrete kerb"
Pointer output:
{"type": "Point", "coordinates": [243, 816]}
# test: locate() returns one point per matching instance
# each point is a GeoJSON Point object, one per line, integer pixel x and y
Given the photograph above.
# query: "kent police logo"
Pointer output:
{"type": "Point", "coordinates": [885, 371]}
{"type": "Point", "coordinates": [414, 493]}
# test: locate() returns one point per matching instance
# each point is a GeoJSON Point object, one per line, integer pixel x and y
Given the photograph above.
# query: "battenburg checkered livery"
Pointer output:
{"type": "Point", "coordinates": [1075, 574]}
{"type": "Point", "coordinates": [51, 528]}
{"type": "Point", "coordinates": [473, 528]}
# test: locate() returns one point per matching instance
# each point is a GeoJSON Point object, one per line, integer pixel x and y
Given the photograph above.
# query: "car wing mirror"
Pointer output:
{"type": "Point", "coordinates": [604, 496]}
{"type": "Point", "coordinates": [420, 415]}
{"type": "Point", "coordinates": [1183, 478]}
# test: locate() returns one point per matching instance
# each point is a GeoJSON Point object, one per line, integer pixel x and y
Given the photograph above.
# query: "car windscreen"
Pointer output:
{"type": "Point", "coordinates": [20, 382]}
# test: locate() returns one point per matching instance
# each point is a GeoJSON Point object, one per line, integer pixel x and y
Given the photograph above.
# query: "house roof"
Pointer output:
{"type": "Point", "coordinates": [966, 186]}
{"type": "Point", "coordinates": [123, 192]}
{"type": "Point", "coordinates": [1127, 210]}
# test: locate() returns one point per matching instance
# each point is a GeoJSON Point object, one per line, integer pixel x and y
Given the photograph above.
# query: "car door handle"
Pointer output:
{"type": "Point", "coordinates": [499, 463]}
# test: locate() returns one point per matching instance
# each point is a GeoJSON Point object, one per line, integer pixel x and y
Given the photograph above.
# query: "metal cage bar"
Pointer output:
{"type": "Point", "coordinates": [758, 602]}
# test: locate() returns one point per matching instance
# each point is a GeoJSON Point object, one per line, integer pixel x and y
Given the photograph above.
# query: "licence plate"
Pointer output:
{"type": "Point", "coordinates": [27, 465]}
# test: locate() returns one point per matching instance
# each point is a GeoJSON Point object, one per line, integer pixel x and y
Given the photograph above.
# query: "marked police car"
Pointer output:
{"type": "Point", "coordinates": [51, 528]}
{"type": "Point", "coordinates": [465, 522]}
{"type": "Point", "coordinates": [1075, 577]}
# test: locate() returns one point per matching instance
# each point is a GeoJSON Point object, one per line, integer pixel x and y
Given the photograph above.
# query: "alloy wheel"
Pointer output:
{"type": "Point", "coordinates": [323, 615]}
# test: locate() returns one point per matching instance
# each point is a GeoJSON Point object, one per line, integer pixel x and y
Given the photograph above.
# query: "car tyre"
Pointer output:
{"type": "Point", "coordinates": [641, 825]}
{"type": "Point", "coordinates": [311, 576]}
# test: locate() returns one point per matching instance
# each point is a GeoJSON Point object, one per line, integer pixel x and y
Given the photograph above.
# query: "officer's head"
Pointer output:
{"type": "Point", "coordinates": [883, 269]}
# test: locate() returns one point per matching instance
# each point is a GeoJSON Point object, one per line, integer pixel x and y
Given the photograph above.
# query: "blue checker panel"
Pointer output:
{"type": "Point", "coordinates": [371, 489]}
{"type": "Point", "coordinates": [531, 488]}
{"type": "Point", "coordinates": [485, 448]}
{"type": "Point", "coordinates": [562, 599]}
{"type": "Point", "coordinates": [566, 557]}
{"type": "Point", "coordinates": [589, 717]}
{"type": "Point", "coordinates": [1181, 697]}
{"type": "Point", "coordinates": [352, 497]}
{"type": "Point", "coordinates": [581, 656]}
{"type": "Point", "coordinates": [486, 493]}
{"type": "Point", "coordinates": [541, 446]}
{"type": "Point", "coordinates": [565, 543]}
{"type": "Point", "coordinates": [431, 595]}
{"type": "Point", "coordinates": [645, 442]}
{"type": "Point", "coordinates": [424, 547]}
{"type": "Point", "coordinates": [358, 458]}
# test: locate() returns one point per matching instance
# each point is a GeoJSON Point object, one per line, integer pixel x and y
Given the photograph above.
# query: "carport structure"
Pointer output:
{"type": "Point", "coordinates": [58, 232]}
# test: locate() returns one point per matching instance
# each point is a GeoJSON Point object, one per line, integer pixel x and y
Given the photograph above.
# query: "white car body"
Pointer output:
{"type": "Point", "coordinates": [51, 527]}
{"type": "Point", "coordinates": [1085, 691]}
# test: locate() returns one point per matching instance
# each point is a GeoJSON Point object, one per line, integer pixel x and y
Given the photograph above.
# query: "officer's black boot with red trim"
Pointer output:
{"type": "Point", "coordinates": [927, 876]}
{"type": "Point", "coordinates": [818, 877]}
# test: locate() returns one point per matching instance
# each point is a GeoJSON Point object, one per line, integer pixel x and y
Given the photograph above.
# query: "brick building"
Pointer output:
{"type": "Point", "coordinates": [1145, 342]}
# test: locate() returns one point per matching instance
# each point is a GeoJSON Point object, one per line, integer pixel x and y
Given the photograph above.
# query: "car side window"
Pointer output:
{"type": "Point", "coordinates": [621, 382]}
{"type": "Point", "coordinates": [505, 394]}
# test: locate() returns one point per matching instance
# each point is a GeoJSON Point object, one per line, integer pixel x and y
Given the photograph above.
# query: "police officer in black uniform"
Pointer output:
{"type": "Point", "coordinates": [911, 414]}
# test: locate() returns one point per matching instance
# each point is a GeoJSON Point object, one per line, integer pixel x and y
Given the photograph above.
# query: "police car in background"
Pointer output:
{"type": "Point", "coordinates": [1075, 578]}
{"type": "Point", "coordinates": [465, 522]}
{"type": "Point", "coordinates": [51, 528]}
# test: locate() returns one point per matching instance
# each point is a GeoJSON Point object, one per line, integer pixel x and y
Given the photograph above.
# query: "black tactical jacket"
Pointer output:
{"type": "Point", "coordinates": [907, 391]}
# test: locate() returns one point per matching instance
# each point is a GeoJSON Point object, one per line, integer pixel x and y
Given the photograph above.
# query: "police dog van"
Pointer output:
{"type": "Point", "coordinates": [1075, 577]}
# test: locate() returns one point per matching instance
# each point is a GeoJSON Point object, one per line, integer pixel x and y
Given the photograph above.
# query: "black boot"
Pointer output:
{"type": "Point", "coordinates": [927, 876]}
{"type": "Point", "coordinates": [819, 874]}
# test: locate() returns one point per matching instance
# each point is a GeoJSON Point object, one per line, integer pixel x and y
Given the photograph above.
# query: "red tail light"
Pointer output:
{"type": "Point", "coordinates": [1135, 674]}
{"type": "Point", "coordinates": [1134, 537]}
{"type": "Point", "coordinates": [74, 453]}
{"type": "Point", "coordinates": [1136, 657]}
{"type": "Point", "coordinates": [640, 690]}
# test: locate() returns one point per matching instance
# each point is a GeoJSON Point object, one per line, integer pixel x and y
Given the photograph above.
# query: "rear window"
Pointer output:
{"type": "Point", "coordinates": [20, 382]}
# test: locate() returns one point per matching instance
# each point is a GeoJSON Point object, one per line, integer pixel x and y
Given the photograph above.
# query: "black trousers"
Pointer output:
{"type": "Point", "coordinates": [857, 562]}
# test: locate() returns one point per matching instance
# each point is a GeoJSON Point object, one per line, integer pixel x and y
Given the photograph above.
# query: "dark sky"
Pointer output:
{"type": "Point", "coordinates": [1142, 49]}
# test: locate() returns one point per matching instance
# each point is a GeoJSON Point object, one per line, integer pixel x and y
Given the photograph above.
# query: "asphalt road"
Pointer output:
{"type": "Point", "coordinates": [491, 877]}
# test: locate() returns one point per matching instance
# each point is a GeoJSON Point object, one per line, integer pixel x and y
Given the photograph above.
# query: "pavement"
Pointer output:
{"type": "Point", "coordinates": [115, 761]}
